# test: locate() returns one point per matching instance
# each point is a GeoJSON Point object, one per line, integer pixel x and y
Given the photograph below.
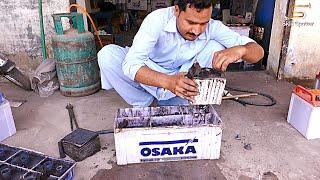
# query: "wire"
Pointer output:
{"type": "Point", "coordinates": [83, 10]}
{"type": "Point", "coordinates": [105, 132]}
{"type": "Point", "coordinates": [272, 102]}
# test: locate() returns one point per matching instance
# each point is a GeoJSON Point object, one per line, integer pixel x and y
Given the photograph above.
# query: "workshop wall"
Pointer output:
{"type": "Point", "coordinates": [276, 35]}
{"type": "Point", "coordinates": [302, 60]}
{"type": "Point", "coordinates": [303, 56]}
{"type": "Point", "coordinates": [20, 28]}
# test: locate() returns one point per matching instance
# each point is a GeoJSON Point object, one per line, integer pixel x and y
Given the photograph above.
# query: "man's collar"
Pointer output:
{"type": "Point", "coordinates": [203, 36]}
{"type": "Point", "coordinates": [171, 25]}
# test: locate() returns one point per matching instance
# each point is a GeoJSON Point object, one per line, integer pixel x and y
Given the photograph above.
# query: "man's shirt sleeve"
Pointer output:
{"type": "Point", "coordinates": [226, 36]}
{"type": "Point", "coordinates": [143, 44]}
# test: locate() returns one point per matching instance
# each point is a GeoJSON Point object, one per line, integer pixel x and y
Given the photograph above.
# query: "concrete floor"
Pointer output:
{"type": "Point", "coordinates": [278, 150]}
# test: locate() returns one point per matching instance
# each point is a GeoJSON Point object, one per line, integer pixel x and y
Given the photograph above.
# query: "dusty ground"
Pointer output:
{"type": "Point", "coordinates": [278, 150]}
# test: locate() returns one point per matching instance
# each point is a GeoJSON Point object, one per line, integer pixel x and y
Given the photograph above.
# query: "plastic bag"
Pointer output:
{"type": "Point", "coordinates": [45, 81]}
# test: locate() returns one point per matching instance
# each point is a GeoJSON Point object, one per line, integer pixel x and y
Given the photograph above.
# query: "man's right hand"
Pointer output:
{"type": "Point", "coordinates": [182, 86]}
{"type": "Point", "coordinates": [178, 84]}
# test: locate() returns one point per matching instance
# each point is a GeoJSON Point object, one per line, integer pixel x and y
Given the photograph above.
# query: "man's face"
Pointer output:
{"type": "Point", "coordinates": [192, 22]}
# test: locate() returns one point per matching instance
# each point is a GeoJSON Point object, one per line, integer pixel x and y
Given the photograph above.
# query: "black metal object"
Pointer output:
{"type": "Point", "coordinates": [8, 172]}
{"type": "Point", "coordinates": [18, 164]}
{"type": "Point", "coordinates": [52, 167]}
{"type": "Point", "coordinates": [72, 117]}
{"type": "Point", "coordinates": [197, 72]}
{"type": "Point", "coordinates": [80, 144]}
{"type": "Point", "coordinates": [6, 152]}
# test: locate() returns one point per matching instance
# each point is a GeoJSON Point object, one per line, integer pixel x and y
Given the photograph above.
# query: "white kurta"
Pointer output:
{"type": "Point", "coordinates": [159, 46]}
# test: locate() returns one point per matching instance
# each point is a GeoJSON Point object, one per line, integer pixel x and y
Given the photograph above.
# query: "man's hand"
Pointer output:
{"type": "Point", "coordinates": [223, 58]}
{"type": "Point", "coordinates": [251, 52]}
{"type": "Point", "coordinates": [178, 84]}
{"type": "Point", "coordinates": [182, 86]}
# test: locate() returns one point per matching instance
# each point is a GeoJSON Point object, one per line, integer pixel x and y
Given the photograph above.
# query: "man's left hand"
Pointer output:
{"type": "Point", "coordinates": [223, 58]}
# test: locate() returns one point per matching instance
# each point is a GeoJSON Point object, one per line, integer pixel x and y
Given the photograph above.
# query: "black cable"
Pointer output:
{"type": "Point", "coordinates": [272, 102]}
{"type": "Point", "coordinates": [105, 132]}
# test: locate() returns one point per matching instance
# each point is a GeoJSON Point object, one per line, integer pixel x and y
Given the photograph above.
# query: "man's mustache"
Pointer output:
{"type": "Point", "coordinates": [192, 34]}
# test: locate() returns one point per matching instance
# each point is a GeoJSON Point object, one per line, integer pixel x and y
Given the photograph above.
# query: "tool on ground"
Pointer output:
{"type": "Point", "coordinates": [80, 143]}
{"type": "Point", "coordinates": [9, 70]}
{"type": "Point", "coordinates": [16, 103]}
{"type": "Point", "coordinates": [72, 117]}
{"type": "Point", "coordinates": [270, 101]}
{"type": "Point", "coordinates": [239, 96]}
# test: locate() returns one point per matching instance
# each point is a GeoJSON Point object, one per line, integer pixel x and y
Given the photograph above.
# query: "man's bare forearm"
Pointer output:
{"type": "Point", "coordinates": [147, 76]}
{"type": "Point", "coordinates": [177, 84]}
{"type": "Point", "coordinates": [253, 52]}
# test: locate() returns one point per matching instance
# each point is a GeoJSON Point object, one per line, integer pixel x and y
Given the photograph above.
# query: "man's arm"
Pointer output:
{"type": "Point", "coordinates": [177, 84]}
{"type": "Point", "coordinates": [250, 52]}
{"type": "Point", "coordinates": [134, 65]}
{"type": "Point", "coordinates": [238, 47]}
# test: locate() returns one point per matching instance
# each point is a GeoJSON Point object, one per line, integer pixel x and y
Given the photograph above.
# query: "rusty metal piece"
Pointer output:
{"type": "Point", "coordinates": [72, 117]}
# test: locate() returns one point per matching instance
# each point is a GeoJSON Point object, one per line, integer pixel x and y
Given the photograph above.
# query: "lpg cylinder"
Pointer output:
{"type": "Point", "coordinates": [76, 57]}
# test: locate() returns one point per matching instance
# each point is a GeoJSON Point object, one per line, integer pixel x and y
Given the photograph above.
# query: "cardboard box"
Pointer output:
{"type": "Point", "coordinates": [168, 133]}
{"type": "Point", "coordinates": [137, 4]}
{"type": "Point", "coordinates": [304, 113]}
{"type": "Point", "coordinates": [242, 30]}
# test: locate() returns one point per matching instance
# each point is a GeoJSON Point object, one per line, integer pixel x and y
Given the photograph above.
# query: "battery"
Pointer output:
{"type": "Point", "coordinates": [80, 144]}
{"type": "Point", "coordinates": [167, 133]}
{"type": "Point", "coordinates": [304, 112]}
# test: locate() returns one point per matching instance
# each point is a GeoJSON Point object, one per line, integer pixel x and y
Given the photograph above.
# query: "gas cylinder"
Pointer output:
{"type": "Point", "coordinates": [76, 57]}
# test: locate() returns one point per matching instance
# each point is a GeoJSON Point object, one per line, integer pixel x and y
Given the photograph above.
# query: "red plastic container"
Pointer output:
{"type": "Point", "coordinates": [312, 96]}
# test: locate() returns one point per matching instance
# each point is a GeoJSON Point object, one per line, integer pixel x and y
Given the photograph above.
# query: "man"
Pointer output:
{"type": "Point", "coordinates": [168, 42]}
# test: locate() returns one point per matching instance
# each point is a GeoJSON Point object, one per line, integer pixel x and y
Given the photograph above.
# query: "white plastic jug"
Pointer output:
{"type": "Point", "coordinates": [7, 126]}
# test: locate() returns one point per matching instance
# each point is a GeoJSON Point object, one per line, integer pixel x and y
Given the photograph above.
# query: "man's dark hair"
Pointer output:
{"type": "Point", "coordinates": [198, 4]}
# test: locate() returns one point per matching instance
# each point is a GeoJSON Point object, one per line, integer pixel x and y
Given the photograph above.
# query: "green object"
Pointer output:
{"type": "Point", "coordinates": [76, 19]}
{"type": "Point", "coordinates": [75, 52]}
{"type": "Point", "coordinates": [43, 38]}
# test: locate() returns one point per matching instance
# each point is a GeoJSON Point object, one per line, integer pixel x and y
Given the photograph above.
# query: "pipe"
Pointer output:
{"type": "Point", "coordinates": [43, 40]}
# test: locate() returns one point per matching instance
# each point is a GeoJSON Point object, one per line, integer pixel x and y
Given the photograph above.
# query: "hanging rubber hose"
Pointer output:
{"type": "Point", "coordinates": [243, 102]}
{"type": "Point", "coordinates": [83, 10]}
